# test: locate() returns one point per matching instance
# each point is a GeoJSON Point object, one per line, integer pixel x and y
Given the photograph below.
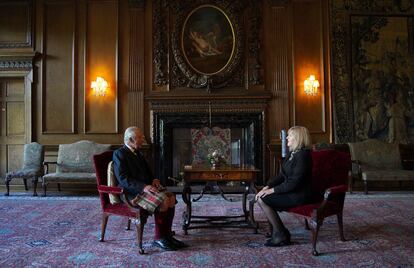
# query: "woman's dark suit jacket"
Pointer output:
{"type": "Point", "coordinates": [131, 170]}
{"type": "Point", "coordinates": [292, 185]}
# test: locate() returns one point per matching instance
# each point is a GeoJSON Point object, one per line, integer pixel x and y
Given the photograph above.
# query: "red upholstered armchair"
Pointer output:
{"type": "Point", "coordinates": [330, 174]}
{"type": "Point", "coordinates": [139, 217]}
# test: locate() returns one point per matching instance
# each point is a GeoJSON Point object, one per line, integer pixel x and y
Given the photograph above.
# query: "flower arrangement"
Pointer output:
{"type": "Point", "coordinates": [215, 158]}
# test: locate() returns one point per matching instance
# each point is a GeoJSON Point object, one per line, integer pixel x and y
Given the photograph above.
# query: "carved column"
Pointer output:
{"type": "Point", "coordinates": [136, 63]}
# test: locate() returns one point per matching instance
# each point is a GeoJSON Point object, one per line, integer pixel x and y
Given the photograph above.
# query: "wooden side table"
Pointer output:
{"type": "Point", "coordinates": [246, 174]}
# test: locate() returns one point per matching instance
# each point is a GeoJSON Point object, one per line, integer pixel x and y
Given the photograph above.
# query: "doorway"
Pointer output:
{"type": "Point", "coordinates": [14, 122]}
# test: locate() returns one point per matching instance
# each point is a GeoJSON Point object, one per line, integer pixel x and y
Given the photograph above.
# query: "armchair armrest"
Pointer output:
{"type": "Point", "coordinates": [110, 190]}
{"type": "Point", "coordinates": [335, 190]}
{"type": "Point", "coordinates": [47, 163]}
{"type": "Point", "coordinates": [327, 198]}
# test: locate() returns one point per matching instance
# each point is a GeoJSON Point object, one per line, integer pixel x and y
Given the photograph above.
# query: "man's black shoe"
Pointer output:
{"type": "Point", "coordinates": [176, 243]}
{"type": "Point", "coordinates": [164, 244]}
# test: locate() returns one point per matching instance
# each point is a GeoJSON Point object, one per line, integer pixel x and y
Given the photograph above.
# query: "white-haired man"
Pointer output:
{"type": "Point", "coordinates": [134, 175]}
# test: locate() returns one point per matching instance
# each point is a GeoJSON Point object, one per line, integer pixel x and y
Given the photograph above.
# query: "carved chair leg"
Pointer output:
{"type": "Point", "coordinates": [307, 224]}
{"type": "Point", "coordinates": [351, 184]}
{"type": "Point", "coordinates": [341, 226]}
{"type": "Point", "coordinates": [34, 181]}
{"type": "Point", "coordinates": [103, 226]}
{"type": "Point", "coordinates": [58, 187]}
{"type": "Point", "coordinates": [7, 180]}
{"type": "Point", "coordinates": [140, 232]}
{"type": "Point", "coordinates": [44, 188]}
{"type": "Point", "coordinates": [315, 232]}
{"type": "Point", "coordinates": [128, 225]}
{"type": "Point", "coordinates": [25, 184]}
{"type": "Point", "coordinates": [366, 187]}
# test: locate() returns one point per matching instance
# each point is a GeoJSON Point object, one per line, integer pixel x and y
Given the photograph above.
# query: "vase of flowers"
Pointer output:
{"type": "Point", "coordinates": [215, 158]}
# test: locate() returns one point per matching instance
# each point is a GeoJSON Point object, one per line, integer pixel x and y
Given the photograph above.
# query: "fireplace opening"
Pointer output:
{"type": "Point", "coordinates": [172, 140]}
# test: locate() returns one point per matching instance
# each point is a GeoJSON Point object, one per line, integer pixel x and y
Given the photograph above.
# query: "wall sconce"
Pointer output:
{"type": "Point", "coordinates": [99, 86]}
{"type": "Point", "coordinates": [311, 85]}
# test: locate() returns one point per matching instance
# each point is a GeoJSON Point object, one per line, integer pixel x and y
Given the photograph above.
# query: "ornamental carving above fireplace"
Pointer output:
{"type": "Point", "coordinates": [207, 46]}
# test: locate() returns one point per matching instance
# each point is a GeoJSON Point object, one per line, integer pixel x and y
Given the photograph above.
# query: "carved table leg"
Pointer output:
{"type": "Point", "coordinates": [186, 214]}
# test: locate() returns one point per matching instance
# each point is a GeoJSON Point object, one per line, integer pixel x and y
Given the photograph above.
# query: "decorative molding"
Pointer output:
{"type": "Point", "coordinates": [205, 102]}
{"type": "Point", "coordinates": [136, 3]}
{"type": "Point", "coordinates": [160, 40]}
{"type": "Point", "coordinates": [17, 61]}
{"type": "Point", "coordinates": [278, 2]}
{"type": "Point", "coordinates": [341, 10]}
{"type": "Point", "coordinates": [29, 25]}
{"type": "Point", "coordinates": [255, 67]}
{"type": "Point", "coordinates": [16, 64]}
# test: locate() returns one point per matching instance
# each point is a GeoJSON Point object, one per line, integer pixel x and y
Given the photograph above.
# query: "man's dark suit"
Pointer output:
{"type": "Point", "coordinates": [131, 170]}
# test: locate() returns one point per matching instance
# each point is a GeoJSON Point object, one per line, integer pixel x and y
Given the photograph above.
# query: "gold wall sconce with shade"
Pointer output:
{"type": "Point", "coordinates": [99, 87]}
{"type": "Point", "coordinates": [311, 85]}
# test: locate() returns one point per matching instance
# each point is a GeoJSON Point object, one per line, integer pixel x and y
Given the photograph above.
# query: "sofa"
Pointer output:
{"type": "Point", "coordinates": [74, 164]}
{"type": "Point", "coordinates": [375, 160]}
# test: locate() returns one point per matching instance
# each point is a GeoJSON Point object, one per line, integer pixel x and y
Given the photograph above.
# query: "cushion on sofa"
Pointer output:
{"type": "Point", "coordinates": [388, 175]}
{"type": "Point", "coordinates": [75, 177]}
{"type": "Point", "coordinates": [112, 181]}
{"type": "Point", "coordinates": [376, 153]}
{"type": "Point", "coordinates": [77, 157]}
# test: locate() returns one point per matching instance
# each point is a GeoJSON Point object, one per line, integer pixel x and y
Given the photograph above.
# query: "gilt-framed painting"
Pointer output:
{"type": "Point", "coordinates": [208, 40]}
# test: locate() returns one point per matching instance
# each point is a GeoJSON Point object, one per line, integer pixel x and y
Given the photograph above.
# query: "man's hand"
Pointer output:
{"type": "Point", "coordinates": [265, 191]}
{"type": "Point", "coordinates": [156, 183]}
{"type": "Point", "coordinates": [151, 189]}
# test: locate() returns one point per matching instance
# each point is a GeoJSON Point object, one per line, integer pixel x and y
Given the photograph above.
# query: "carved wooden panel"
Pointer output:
{"type": "Point", "coordinates": [136, 66]}
{"type": "Point", "coordinates": [15, 114]}
{"type": "Point", "coordinates": [278, 65]}
{"type": "Point", "coordinates": [136, 109]}
{"type": "Point", "coordinates": [58, 67]}
{"type": "Point", "coordinates": [16, 24]}
{"type": "Point", "coordinates": [309, 110]}
{"type": "Point", "coordinates": [14, 157]}
{"type": "Point", "coordinates": [101, 59]}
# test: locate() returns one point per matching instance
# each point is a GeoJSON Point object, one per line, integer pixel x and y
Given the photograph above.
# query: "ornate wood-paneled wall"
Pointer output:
{"type": "Point", "coordinates": [133, 45]}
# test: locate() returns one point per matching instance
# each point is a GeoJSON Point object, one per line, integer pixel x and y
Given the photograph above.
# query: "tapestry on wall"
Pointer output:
{"type": "Point", "coordinates": [205, 141]}
{"type": "Point", "coordinates": [383, 77]}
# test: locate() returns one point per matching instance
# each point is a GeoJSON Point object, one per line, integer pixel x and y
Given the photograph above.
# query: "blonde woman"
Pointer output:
{"type": "Point", "coordinates": [291, 187]}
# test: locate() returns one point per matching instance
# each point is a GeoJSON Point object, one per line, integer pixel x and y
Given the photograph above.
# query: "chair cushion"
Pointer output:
{"type": "Point", "coordinates": [331, 208]}
{"type": "Point", "coordinates": [305, 210]}
{"type": "Point", "coordinates": [24, 173]}
{"type": "Point", "coordinates": [112, 181]}
{"type": "Point", "coordinates": [120, 209]}
{"type": "Point", "coordinates": [79, 177]}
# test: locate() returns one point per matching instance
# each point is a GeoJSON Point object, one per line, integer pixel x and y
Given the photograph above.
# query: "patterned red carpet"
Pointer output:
{"type": "Point", "coordinates": [63, 232]}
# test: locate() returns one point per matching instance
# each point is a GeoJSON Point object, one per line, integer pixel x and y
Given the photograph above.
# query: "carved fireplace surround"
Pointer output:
{"type": "Point", "coordinates": [242, 113]}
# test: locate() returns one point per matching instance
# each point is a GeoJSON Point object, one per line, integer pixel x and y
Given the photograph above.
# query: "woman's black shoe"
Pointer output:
{"type": "Point", "coordinates": [176, 243]}
{"type": "Point", "coordinates": [164, 244]}
{"type": "Point", "coordinates": [269, 243]}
